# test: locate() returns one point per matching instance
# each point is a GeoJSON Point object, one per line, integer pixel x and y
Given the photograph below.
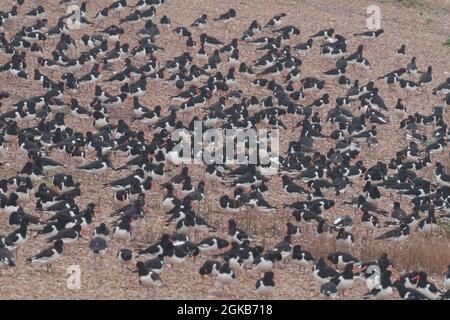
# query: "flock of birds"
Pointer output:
{"type": "Point", "coordinates": [35, 127]}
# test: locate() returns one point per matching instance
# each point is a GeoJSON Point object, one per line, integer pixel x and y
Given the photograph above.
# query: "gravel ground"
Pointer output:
{"type": "Point", "coordinates": [423, 28]}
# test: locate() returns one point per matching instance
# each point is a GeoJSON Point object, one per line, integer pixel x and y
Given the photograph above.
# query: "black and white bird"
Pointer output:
{"type": "Point", "coordinates": [322, 273]}
{"type": "Point", "coordinates": [124, 256]}
{"type": "Point", "coordinates": [400, 52]}
{"type": "Point", "coordinates": [97, 166]}
{"type": "Point", "coordinates": [235, 233]}
{"type": "Point", "coordinates": [397, 234]}
{"type": "Point", "coordinates": [293, 230]}
{"type": "Point", "coordinates": [98, 246]}
{"type": "Point", "coordinates": [301, 257]}
{"type": "Point", "coordinates": [399, 107]}
{"type": "Point", "coordinates": [16, 238]}
{"type": "Point", "coordinates": [446, 280]}
{"type": "Point", "coordinates": [442, 178]}
{"type": "Point", "coordinates": [427, 288]}
{"type": "Point", "coordinates": [426, 77]}
{"type": "Point", "coordinates": [200, 22]}
{"type": "Point", "coordinates": [212, 244]}
{"type": "Point", "coordinates": [275, 20]}
{"type": "Point", "coordinates": [6, 258]}
{"type": "Point", "coordinates": [68, 235]}
{"type": "Point", "coordinates": [327, 33]}
{"type": "Point", "coordinates": [226, 275]}
{"type": "Point", "coordinates": [383, 290]}
{"type": "Point", "coordinates": [329, 290]}
{"type": "Point", "coordinates": [266, 262]}
{"type": "Point", "coordinates": [49, 255]}
{"type": "Point", "coordinates": [408, 293]}
{"type": "Point", "coordinates": [227, 16]}
{"type": "Point", "coordinates": [36, 13]}
{"type": "Point", "coordinates": [303, 47]}
{"type": "Point", "coordinates": [370, 34]}
{"type": "Point", "coordinates": [209, 40]}
{"type": "Point", "coordinates": [342, 259]}
{"type": "Point", "coordinates": [155, 264]}
{"type": "Point", "coordinates": [291, 188]}
{"type": "Point", "coordinates": [266, 285]}
{"type": "Point", "coordinates": [345, 280]}
{"type": "Point", "coordinates": [345, 238]}
{"type": "Point", "coordinates": [210, 268]}
{"type": "Point", "coordinates": [412, 67]}
{"type": "Point", "coordinates": [147, 277]}
{"type": "Point", "coordinates": [443, 88]}
{"type": "Point", "coordinates": [122, 231]}
{"type": "Point", "coordinates": [102, 231]}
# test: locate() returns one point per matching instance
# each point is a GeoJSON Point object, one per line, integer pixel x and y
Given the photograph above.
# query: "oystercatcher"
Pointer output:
{"type": "Point", "coordinates": [49, 255]}
{"type": "Point", "coordinates": [266, 285]}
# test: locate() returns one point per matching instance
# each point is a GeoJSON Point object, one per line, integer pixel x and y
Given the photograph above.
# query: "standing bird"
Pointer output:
{"type": "Point", "coordinates": [401, 51]}
{"type": "Point", "coordinates": [98, 246]}
{"type": "Point", "coordinates": [345, 280]}
{"type": "Point", "coordinates": [412, 67]}
{"type": "Point", "coordinates": [427, 288]}
{"type": "Point", "coordinates": [301, 257]}
{"type": "Point", "coordinates": [322, 273]}
{"type": "Point", "coordinates": [49, 255]}
{"type": "Point", "coordinates": [101, 231]}
{"type": "Point", "coordinates": [6, 258]}
{"type": "Point", "coordinates": [210, 267]}
{"type": "Point", "coordinates": [147, 277]}
{"type": "Point", "coordinates": [382, 291]}
{"type": "Point", "coordinates": [266, 285]}
{"type": "Point", "coordinates": [226, 275]}
{"type": "Point", "coordinates": [344, 238]}
{"type": "Point", "coordinates": [427, 76]}
{"type": "Point", "coordinates": [123, 230]}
